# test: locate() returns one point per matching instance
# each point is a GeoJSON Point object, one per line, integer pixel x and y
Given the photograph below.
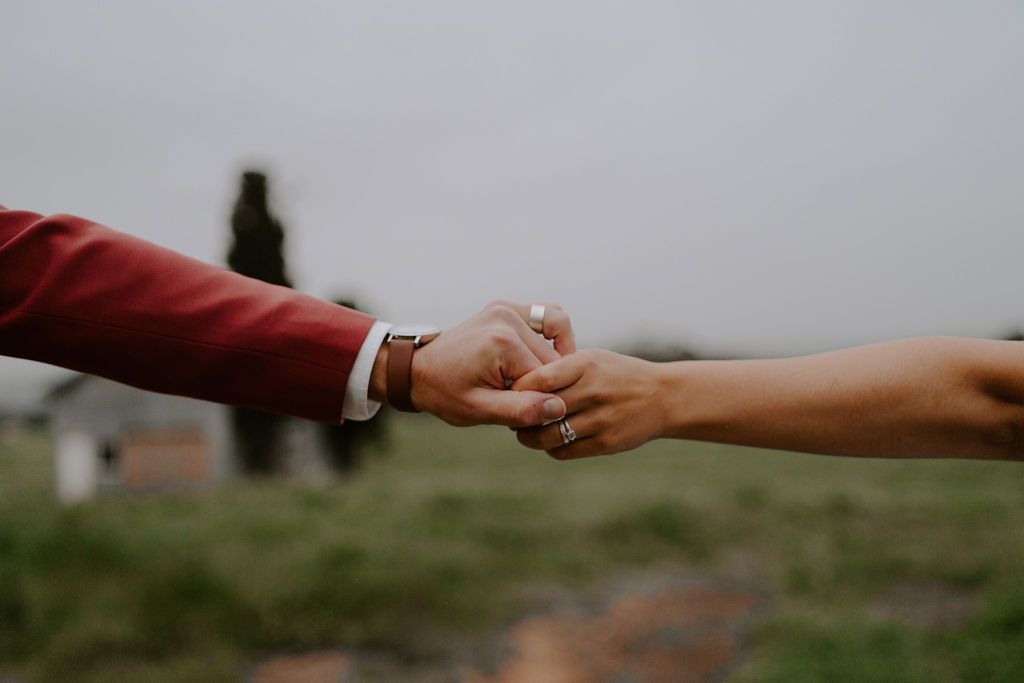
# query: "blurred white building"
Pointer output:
{"type": "Point", "coordinates": [109, 436]}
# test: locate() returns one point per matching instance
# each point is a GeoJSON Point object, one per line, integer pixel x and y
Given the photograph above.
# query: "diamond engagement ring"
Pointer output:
{"type": "Point", "coordinates": [568, 435]}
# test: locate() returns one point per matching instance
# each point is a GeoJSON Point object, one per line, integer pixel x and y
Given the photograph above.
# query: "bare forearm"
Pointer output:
{"type": "Point", "coordinates": [935, 397]}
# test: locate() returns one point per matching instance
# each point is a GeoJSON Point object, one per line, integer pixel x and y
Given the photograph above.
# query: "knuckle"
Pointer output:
{"type": "Point", "coordinates": [503, 415]}
{"type": "Point", "coordinates": [594, 359]}
{"type": "Point", "coordinates": [502, 311]}
{"type": "Point", "coordinates": [1006, 433]}
{"type": "Point", "coordinates": [501, 336]}
{"type": "Point", "coordinates": [520, 415]}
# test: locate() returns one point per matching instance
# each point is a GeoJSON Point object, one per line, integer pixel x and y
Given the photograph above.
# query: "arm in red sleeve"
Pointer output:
{"type": "Point", "coordinates": [76, 294]}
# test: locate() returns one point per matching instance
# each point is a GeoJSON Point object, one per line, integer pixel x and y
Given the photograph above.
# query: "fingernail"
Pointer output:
{"type": "Point", "coordinates": [554, 408]}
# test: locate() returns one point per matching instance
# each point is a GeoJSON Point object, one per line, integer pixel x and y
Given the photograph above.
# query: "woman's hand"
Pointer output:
{"type": "Point", "coordinates": [613, 403]}
{"type": "Point", "coordinates": [913, 398]}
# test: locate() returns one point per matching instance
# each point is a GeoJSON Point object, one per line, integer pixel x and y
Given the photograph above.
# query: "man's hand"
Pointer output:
{"type": "Point", "coordinates": [614, 403]}
{"type": "Point", "coordinates": [462, 376]}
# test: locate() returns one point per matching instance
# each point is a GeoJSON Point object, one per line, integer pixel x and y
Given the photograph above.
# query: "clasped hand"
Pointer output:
{"type": "Point", "coordinates": [463, 378]}
{"type": "Point", "coordinates": [612, 403]}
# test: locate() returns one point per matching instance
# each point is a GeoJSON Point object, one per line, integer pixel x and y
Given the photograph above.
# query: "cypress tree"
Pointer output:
{"type": "Point", "coordinates": [258, 247]}
{"type": "Point", "coordinates": [257, 251]}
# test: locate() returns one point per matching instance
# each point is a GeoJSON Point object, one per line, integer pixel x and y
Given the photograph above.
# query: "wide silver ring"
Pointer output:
{"type": "Point", "coordinates": [536, 321]}
{"type": "Point", "coordinates": [568, 435]}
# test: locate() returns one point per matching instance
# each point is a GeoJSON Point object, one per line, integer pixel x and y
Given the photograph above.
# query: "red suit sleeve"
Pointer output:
{"type": "Point", "coordinates": [76, 294]}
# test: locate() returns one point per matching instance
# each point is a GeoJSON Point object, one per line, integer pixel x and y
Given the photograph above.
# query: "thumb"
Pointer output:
{"type": "Point", "coordinates": [519, 408]}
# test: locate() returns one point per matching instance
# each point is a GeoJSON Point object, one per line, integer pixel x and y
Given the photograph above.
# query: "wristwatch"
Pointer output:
{"type": "Point", "coordinates": [402, 340]}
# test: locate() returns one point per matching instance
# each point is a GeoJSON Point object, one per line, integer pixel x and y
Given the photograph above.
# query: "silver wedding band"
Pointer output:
{"type": "Point", "coordinates": [537, 318]}
{"type": "Point", "coordinates": [568, 435]}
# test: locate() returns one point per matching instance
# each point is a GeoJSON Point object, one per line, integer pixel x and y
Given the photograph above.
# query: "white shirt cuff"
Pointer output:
{"type": "Point", "coordinates": [357, 405]}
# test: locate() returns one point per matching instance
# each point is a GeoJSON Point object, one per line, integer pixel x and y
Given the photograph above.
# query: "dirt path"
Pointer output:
{"type": "Point", "coordinates": [687, 631]}
{"type": "Point", "coordinates": [655, 628]}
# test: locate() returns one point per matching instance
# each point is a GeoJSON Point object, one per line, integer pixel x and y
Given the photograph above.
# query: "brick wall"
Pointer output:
{"type": "Point", "coordinates": [164, 457]}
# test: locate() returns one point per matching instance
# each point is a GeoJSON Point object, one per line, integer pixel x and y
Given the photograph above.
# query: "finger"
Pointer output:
{"type": "Point", "coordinates": [512, 331]}
{"type": "Point", "coordinates": [583, 448]}
{"type": "Point", "coordinates": [576, 398]}
{"type": "Point", "coordinates": [516, 359]}
{"type": "Point", "coordinates": [556, 375]}
{"type": "Point", "coordinates": [557, 325]}
{"type": "Point", "coordinates": [540, 348]}
{"type": "Point", "coordinates": [558, 328]}
{"type": "Point", "coordinates": [517, 408]}
{"type": "Point", "coordinates": [549, 437]}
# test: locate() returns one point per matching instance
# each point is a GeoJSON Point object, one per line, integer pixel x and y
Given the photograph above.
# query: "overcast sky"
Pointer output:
{"type": "Point", "coordinates": [761, 177]}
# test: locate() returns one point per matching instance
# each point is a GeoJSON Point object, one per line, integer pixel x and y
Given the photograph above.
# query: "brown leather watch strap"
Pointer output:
{"type": "Point", "coordinates": [400, 374]}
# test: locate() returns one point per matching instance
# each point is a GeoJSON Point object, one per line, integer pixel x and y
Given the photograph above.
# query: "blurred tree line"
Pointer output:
{"type": "Point", "coordinates": [665, 353]}
{"type": "Point", "coordinates": [257, 251]}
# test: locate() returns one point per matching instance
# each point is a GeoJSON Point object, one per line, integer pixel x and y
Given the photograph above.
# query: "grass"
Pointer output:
{"type": "Point", "coordinates": [439, 540]}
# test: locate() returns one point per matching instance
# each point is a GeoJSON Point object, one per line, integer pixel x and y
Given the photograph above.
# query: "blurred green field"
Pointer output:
{"type": "Point", "coordinates": [438, 541]}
